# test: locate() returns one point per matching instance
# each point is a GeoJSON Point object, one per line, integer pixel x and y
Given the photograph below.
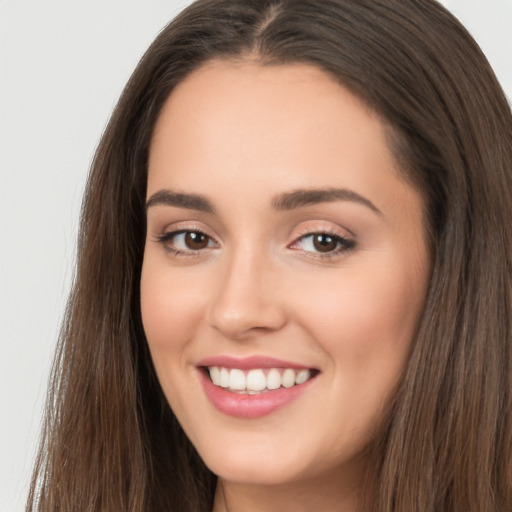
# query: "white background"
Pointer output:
{"type": "Point", "coordinates": [62, 67]}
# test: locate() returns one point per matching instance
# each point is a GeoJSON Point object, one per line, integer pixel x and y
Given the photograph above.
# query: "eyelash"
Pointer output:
{"type": "Point", "coordinates": [343, 245]}
{"type": "Point", "coordinates": [165, 239]}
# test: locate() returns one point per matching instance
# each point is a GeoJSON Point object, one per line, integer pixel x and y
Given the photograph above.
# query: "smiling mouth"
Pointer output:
{"type": "Point", "coordinates": [259, 380]}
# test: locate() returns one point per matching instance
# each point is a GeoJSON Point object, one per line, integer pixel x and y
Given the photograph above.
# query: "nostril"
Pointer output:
{"type": "Point", "coordinates": [246, 320]}
{"type": "Point", "coordinates": [246, 301]}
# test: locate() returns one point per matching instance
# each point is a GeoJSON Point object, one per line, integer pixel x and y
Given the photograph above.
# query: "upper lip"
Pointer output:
{"type": "Point", "coordinates": [249, 363]}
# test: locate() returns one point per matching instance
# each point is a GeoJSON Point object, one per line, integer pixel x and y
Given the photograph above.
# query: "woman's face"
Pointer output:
{"type": "Point", "coordinates": [286, 257]}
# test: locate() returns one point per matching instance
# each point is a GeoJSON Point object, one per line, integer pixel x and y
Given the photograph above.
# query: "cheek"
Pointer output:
{"type": "Point", "coordinates": [366, 322]}
{"type": "Point", "coordinates": [366, 328]}
{"type": "Point", "coordinates": [171, 307]}
{"type": "Point", "coordinates": [171, 310]}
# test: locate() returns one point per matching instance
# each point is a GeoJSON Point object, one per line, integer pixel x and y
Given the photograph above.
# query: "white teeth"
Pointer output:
{"type": "Point", "coordinates": [215, 375]}
{"type": "Point", "coordinates": [224, 378]}
{"type": "Point", "coordinates": [256, 381]}
{"type": "Point", "coordinates": [273, 379]}
{"type": "Point", "coordinates": [288, 378]}
{"type": "Point", "coordinates": [237, 380]}
{"type": "Point", "coordinates": [302, 376]}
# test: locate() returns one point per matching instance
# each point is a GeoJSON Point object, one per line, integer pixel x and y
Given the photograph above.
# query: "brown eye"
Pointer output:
{"type": "Point", "coordinates": [186, 242]}
{"type": "Point", "coordinates": [325, 243]}
{"type": "Point", "coordinates": [196, 241]}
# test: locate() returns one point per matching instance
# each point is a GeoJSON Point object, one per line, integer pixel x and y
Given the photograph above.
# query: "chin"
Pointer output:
{"type": "Point", "coordinates": [263, 460]}
{"type": "Point", "coordinates": [255, 472]}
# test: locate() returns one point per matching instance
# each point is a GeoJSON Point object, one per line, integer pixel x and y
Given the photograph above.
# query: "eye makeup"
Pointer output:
{"type": "Point", "coordinates": [317, 244]}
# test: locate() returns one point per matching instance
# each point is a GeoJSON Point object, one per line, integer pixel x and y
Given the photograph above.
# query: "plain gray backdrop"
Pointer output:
{"type": "Point", "coordinates": [63, 64]}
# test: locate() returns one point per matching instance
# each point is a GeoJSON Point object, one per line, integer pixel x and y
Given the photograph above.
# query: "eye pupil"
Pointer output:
{"type": "Point", "coordinates": [324, 243]}
{"type": "Point", "coordinates": [195, 240]}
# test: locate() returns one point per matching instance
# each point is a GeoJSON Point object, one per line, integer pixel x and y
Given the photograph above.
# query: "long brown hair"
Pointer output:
{"type": "Point", "coordinates": [110, 440]}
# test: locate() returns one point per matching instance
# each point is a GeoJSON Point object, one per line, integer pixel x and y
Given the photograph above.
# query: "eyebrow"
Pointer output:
{"type": "Point", "coordinates": [167, 197]}
{"type": "Point", "coordinates": [282, 202]}
{"type": "Point", "coordinates": [306, 197]}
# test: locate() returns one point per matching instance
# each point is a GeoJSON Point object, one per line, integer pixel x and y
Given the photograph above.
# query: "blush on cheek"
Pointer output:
{"type": "Point", "coordinates": [366, 314]}
{"type": "Point", "coordinates": [167, 309]}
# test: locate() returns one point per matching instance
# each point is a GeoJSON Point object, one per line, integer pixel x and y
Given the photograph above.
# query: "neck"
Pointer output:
{"type": "Point", "coordinates": [328, 494]}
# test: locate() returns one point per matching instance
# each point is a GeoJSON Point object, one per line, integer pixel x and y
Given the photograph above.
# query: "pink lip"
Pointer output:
{"type": "Point", "coordinates": [250, 406]}
{"type": "Point", "coordinates": [249, 363]}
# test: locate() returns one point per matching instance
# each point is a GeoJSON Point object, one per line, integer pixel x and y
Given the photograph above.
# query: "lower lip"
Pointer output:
{"type": "Point", "coordinates": [251, 406]}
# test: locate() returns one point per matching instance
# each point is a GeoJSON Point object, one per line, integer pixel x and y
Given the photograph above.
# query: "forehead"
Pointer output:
{"type": "Point", "coordinates": [251, 90]}
{"type": "Point", "coordinates": [262, 110]}
{"type": "Point", "coordinates": [277, 127]}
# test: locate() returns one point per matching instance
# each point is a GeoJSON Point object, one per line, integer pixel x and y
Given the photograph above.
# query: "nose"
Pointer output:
{"type": "Point", "coordinates": [247, 301]}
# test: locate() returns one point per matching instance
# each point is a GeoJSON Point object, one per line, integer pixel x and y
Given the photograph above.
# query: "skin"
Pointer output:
{"type": "Point", "coordinates": [240, 135]}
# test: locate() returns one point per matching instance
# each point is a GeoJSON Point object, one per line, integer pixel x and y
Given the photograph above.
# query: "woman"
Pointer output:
{"type": "Point", "coordinates": [293, 286]}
